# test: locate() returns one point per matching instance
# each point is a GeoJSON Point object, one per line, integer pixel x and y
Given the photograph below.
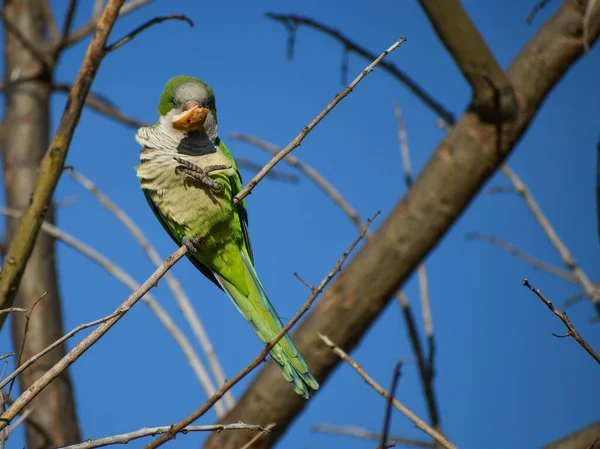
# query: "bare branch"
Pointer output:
{"type": "Point", "coordinates": [153, 304]}
{"type": "Point", "coordinates": [312, 174]}
{"type": "Point", "coordinates": [125, 438]}
{"type": "Point", "coordinates": [420, 424]}
{"type": "Point", "coordinates": [567, 258]}
{"type": "Point", "coordinates": [473, 57]}
{"type": "Point", "coordinates": [257, 436]}
{"type": "Point", "coordinates": [51, 167]}
{"type": "Point", "coordinates": [181, 298]}
{"type": "Point", "coordinates": [367, 435]}
{"type": "Point", "coordinates": [351, 46]}
{"type": "Point", "coordinates": [531, 260]}
{"type": "Point", "coordinates": [69, 16]}
{"type": "Point", "coordinates": [274, 175]}
{"type": "Point", "coordinates": [22, 401]}
{"type": "Point", "coordinates": [177, 428]}
{"type": "Point", "coordinates": [102, 106]}
{"type": "Point", "coordinates": [146, 25]}
{"type": "Point", "coordinates": [308, 128]}
{"type": "Point", "coordinates": [426, 367]}
{"type": "Point", "coordinates": [89, 27]}
{"type": "Point", "coordinates": [383, 442]}
{"type": "Point", "coordinates": [587, 17]}
{"type": "Point", "coordinates": [572, 332]}
{"type": "Point", "coordinates": [12, 309]}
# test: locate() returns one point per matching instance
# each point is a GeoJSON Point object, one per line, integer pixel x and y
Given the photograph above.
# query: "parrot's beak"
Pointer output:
{"type": "Point", "coordinates": [191, 119]}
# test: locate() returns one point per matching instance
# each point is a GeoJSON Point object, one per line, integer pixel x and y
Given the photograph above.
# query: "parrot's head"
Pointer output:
{"type": "Point", "coordinates": [187, 105]}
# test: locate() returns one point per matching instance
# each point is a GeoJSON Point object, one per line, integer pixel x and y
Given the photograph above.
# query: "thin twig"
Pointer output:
{"type": "Point", "coordinates": [536, 8]}
{"type": "Point", "coordinates": [25, 333]}
{"type": "Point", "coordinates": [5, 356]}
{"type": "Point", "coordinates": [419, 423]}
{"type": "Point", "coordinates": [20, 420]}
{"type": "Point", "coordinates": [572, 332]}
{"type": "Point", "coordinates": [28, 395]}
{"type": "Point", "coordinates": [312, 174]}
{"type": "Point", "coordinates": [68, 23]}
{"type": "Point", "coordinates": [389, 67]}
{"type": "Point", "coordinates": [99, 104]}
{"type": "Point", "coordinates": [89, 27]}
{"type": "Point", "coordinates": [177, 428]}
{"type": "Point", "coordinates": [12, 309]}
{"type": "Point", "coordinates": [50, 169]}
{"type": "Point", "coordinates": [144, 26]}
{"type": "Point", "coordinates": [567, 258]}
{"type": "Point", "coordinates": [148, 299]}
{"type": "Point", "coordinates": [531, 260]}
{"type": "Point", "coordinates": [274, 175]}
{"type": "Point", "coordinates": [308, 128]}
{"type": "Point", "coordinates": [367, 435]}
{"type": "Point", "coordinates": [255, 438]}
{"type": "Point", "coordinates": [181, 298]}
{"type": "Point", "coordinates": [388, 407]}
{"type": "Point", "coordinates": [426, 365]}
{"type": "Point", "coordinates": [125, 438]}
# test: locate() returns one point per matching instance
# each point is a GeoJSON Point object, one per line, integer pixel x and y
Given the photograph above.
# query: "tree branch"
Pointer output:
{"type": "Point", "coordinates": [181, 298]}
{"type": "Point", "coordinates": [52, 164]}
{"type": "Point", "coordinates": [125, 438]}
{"type": "Point", "coordinates": [463, 162]}
{"type": "Point", "coordinates": [367, 435]}
{"type": "Point", "coordinates": [308, 128]}
{"type": "Point", "coordinates": [123, 277]}
{"type": "Point", "coordinates": [389, 67]}
{"type": "Point", "coordinates": [420, 424]}
{"type": "Point", "coordinates": [22, 401]}
{"type": "Point", "coordinates": [572, 332]}
{"type": "Point", "coordinates": [567, 258]}
{"type": "Point", "coordinates": [34, 48]}
{"type": "Point", "coordinates": [176, 428]}
{"type": "Point", "coordinates": [473, 57]}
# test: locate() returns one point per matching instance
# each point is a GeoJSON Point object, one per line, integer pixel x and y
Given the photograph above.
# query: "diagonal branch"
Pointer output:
{"type": "Point", "coordinates": [181, 298]}
{"type": "Point", "coordinates": [123, 277]}
{"type": "Point", "coordinates": [146, 25]}
{"type": "Point", "coordinates": [567, 258]}
{"type": "Point", "coordinates": [473, 57]}
{"type": "Point", "coordinates": [419, 423]}
{"type": "Point", "coordinates": [101, 105]}
{"type": "Point", "coordinates": [52, 164]}
{"type": "Point", "coordinates": [176, 428]}
{"type": "Point", "coordinates": [389, 67]}
{"type": "Point", "coordinates": [89, 27]}
{"type": "Point", "coordinates": [463, 162]}
{"type": "Point", "coordinates": [34, 48]}
{"type": "Point", "coordinates": [297, 141]}
{"type": "Point", "coordinates": [22, 401]}
{"type": "Point", "coordinates": [571, 331]}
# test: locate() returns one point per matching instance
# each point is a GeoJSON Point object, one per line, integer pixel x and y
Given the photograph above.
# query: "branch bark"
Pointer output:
{"type": "Point", "coordinates": [462, 163]}
{"type": "Point", "coordinates": [23, 147]}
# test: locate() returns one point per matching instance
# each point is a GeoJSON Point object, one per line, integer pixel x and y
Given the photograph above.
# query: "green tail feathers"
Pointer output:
{"type": "Point", "coordinates": [259, 312]}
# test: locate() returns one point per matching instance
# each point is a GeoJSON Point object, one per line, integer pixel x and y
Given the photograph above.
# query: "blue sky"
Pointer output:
{"type": "Point", "coordinates": [502, 380]}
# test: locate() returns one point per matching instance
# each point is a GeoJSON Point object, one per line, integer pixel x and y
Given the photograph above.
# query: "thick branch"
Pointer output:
{"type": "Point", "coordinates": [463, 162]}
{"type": "Point", "coordinates": [52, 164]}
{"type": "Point", "coordinates": [473, 57]}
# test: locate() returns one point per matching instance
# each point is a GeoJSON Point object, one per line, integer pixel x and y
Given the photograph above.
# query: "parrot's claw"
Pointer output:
{"type": "Point", "coordinates": [192, 243]}
{"type": "Point", "coordinates": [200, 174]}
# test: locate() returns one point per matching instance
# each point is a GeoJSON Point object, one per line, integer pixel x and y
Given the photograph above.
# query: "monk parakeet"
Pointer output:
{"type": "Point", "coordinates": [189, 178]}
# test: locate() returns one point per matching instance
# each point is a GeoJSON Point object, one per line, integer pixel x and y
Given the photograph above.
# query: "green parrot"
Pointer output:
{"type": "Point", "coordinates": [189, 178]}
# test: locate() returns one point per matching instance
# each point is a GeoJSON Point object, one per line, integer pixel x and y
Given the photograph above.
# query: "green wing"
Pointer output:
{"type": "Point", "coordinates": [236, 186]}
{"type": "Point", "coordinates": [203, 269]}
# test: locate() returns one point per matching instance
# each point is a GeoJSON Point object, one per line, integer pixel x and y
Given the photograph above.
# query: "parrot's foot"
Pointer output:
{"type": "Point", "coordinates": [200, 174]}
{"type": "Point", "coordinates": [191, 243]}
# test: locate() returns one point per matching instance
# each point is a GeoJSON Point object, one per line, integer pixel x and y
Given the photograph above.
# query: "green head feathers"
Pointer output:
{"type": "Point", "coordinates": [181, 89]}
